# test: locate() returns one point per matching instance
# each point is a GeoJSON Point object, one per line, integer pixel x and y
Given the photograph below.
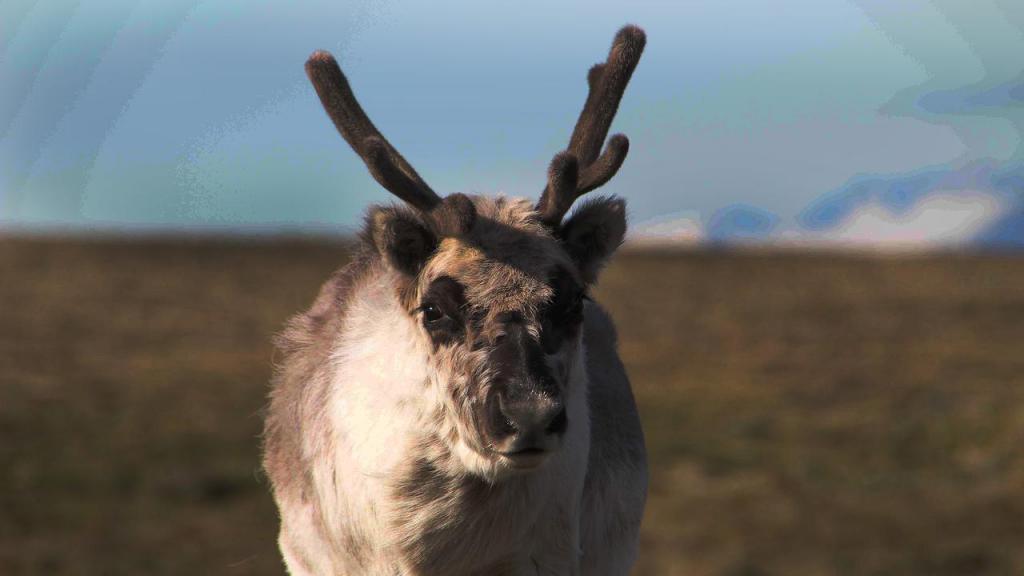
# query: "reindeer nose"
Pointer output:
{"type": "Point", "coordinates": [529, 422]}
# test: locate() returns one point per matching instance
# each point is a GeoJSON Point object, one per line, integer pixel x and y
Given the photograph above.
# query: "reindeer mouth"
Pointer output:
{"type": "Point", "coordinates": [526, 458]}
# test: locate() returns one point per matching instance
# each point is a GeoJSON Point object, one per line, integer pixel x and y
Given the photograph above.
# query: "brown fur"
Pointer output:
{"type": "Point", "coordinates": [448, 520]}
{"type": "Point", "coordinates": [450, 404]}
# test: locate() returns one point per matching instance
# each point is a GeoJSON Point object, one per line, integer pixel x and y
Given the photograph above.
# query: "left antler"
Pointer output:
{"type": "Point", "coordinates": [386, 165]}
{"type": "Point", "coordinates": [579, 169]}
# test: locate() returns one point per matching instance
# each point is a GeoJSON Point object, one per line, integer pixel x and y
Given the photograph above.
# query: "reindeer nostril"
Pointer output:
{"type": "Point", "coordinates": [501, 421]}
{"type": "Point", "coordinates": [528, 421]}
{"type": "Point", "coordinates": [559, 423]}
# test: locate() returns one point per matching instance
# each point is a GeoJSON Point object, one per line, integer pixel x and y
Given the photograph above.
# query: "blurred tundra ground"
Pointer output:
{"type": "Point", "coordinates": [811, 414]}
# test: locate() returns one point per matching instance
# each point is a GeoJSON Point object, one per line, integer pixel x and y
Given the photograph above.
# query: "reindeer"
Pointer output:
{"type": "Point", "coordinates": [453, 402]}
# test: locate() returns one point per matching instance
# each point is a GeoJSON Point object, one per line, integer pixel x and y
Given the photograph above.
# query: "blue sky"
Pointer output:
{"type": "Point", "coordinates": [187, 114]}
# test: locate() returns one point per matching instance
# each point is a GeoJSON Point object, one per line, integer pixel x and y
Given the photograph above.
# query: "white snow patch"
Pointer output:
{"type": "Point", "coordinates": [675, 229]}
{"type": "Point", "coordinates": [945, 218]}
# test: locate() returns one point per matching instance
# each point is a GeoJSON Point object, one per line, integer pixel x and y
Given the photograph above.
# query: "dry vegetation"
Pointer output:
{"type": "Point", "coordinates": [805, 414]}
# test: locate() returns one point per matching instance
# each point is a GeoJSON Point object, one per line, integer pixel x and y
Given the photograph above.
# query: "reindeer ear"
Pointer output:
{"type": "Point", "coordinates": [403, 240]}
{"type": "Point", "coordinates": [593, 233]}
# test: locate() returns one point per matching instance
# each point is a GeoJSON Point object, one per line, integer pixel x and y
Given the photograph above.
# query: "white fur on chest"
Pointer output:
{"type": "Point", "coordinates": [373, 408]}
{"type": "Point", "coordinates": [380, 376]}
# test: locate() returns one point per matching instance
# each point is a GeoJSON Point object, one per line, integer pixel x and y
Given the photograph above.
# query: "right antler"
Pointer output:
{"type": "Point", "coordinates": [579, 169]}
{"type": "Point", "coordinates": [386, 165]}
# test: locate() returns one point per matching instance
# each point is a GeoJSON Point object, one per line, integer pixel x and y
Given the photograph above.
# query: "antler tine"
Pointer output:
{"type": "Point", "coordinates": [607, 82]}
{"type": "Point", "coordinates": [601, 170]}
{"type": "Point", "coordinates": [386, 165]}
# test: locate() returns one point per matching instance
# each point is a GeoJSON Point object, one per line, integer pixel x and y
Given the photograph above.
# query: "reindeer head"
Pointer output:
{"type": "Point", "coordinates": [497, 285]}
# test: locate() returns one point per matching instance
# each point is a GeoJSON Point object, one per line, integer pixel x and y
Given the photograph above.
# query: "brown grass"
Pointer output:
{"type": "Point", "coordinates": [805, 414]}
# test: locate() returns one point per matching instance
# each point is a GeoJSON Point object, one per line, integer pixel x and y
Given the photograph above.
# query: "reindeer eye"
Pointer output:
{"type": "Point", "coordinates": [431, 313]}
{"type": "Point", "coordinates": [443, 309]}
{"type": "Point", "coordinates": [562, 316]}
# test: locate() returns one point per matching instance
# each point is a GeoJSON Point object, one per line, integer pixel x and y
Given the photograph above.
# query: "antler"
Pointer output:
{"type": "Point", "coordinates": [607, 82]}
{"type": "Point", "coordinates": [386, 165]}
